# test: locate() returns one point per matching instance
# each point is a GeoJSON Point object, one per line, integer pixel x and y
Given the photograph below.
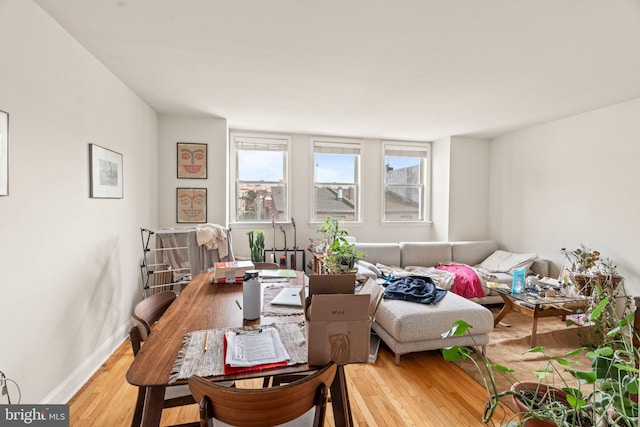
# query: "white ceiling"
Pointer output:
{"type": "Point", "coordinates": [405, 69]}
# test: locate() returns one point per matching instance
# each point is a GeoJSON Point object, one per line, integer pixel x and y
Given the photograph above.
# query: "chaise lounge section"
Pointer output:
{"type": "Point", "coordinates": [408, 327]}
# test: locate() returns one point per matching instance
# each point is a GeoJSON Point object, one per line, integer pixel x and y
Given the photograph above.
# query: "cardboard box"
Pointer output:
{"type": "Point", "coordinates": [338, 325]}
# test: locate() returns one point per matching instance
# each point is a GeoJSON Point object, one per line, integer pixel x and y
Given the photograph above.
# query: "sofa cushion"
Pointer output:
{"type": "Point", "coordinates": [472, 253]}
{"type": "Point", "coordinates": [507, 262]}
{"type": "Point", "coordinates": [424, 254]}
{"type": "Point", "coordinates": [383, 253]}
{"type": "Point", "coordinates": [409, 321]}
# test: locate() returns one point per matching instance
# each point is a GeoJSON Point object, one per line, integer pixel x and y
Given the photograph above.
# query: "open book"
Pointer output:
{"type": "Point", "coordinates": [255, 347]}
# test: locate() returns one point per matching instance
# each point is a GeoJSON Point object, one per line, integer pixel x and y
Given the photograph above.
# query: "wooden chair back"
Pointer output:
{"type": "Point", "coordinates": [263, 406]}
{"type": "Point", "coordinates": [148, 311]}
{"type": "Point", "coordinates": [145, 314]}
{"type": "Point", "coordinates": [266, 266]}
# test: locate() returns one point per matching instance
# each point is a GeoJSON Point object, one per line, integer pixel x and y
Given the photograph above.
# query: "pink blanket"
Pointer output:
{"type": "Point", "coordinates": [466, 282]}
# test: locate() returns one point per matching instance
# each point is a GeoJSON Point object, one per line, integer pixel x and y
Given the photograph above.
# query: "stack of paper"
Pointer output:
{"type": "Point", "coordinates": [277, 276]}
{"type": "Point", "coordinates": [282, 273]}
{"type": "Point", "coordinates": [252, 348]}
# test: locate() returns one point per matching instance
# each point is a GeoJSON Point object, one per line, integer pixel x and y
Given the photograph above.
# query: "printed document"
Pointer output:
{"type": "Point", "coordinates": [254, 347]}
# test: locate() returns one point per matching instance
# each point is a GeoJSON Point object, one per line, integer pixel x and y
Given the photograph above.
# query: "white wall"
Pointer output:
{"type": "Point", "coordinates": [469, 189]}
{"type": "Point", "coordinates": [203, 130]}
{"type": "Point", "coordinates": [460, 186]}
{"type": "Point", "coordinates": [569, 182]}
{"type": "Point", "coordinates": [70, 271]}
{"type": "Point", "coordinates": [440, 184]}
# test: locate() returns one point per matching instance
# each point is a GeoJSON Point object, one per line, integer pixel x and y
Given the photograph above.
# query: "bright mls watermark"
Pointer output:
{"type": "Point", "coordinates": [34, 415]}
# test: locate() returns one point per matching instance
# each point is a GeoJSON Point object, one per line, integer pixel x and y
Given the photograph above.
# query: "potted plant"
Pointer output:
{"type": "Point", "coordinates": [597, 278]}
{"type": "Point", "coordinates": [588, 270]}
{"type": "Point", "coordinates": [342, 256]}
{"type": "Point", "coordinates": [256, 245]}
{"type": "Point", "coordinates": [606, 395]}
{"type": "Point", "coordinates": [331, 228]}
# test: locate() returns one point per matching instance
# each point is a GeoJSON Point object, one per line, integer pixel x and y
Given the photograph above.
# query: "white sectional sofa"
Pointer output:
{"type": "Point", "coordinates": [431, 254]}
{"type": "Point", "coordinates": [407, 327]}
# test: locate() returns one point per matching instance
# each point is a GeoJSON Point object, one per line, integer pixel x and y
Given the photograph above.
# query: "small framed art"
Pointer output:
{"type": "Point", "coordinates": [106, 173]}
{"type": "Point", "coordinates": [192, 160]}
{"type": "Point", "coordinates": [191, 205]}
{"type": "Point", "coordinates": [4, 153]}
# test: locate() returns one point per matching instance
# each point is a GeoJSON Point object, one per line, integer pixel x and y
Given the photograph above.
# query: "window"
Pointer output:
{"type": "Point", "coordinates": [405, 182]}
{"type": "Point", "coordinates": [258, 169]}
{"type": "Point", "coordinates": [336, 179]}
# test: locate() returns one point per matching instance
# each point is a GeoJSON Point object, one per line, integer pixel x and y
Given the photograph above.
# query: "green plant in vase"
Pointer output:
{"type": "Point", "coordinates": [256, 245]}
{"type": "Point", "coordinates": [597, 278]}
{"type": "Point", "coordinates": [342, 256]}
{"type": "Point", "coordinates": [331, 228]}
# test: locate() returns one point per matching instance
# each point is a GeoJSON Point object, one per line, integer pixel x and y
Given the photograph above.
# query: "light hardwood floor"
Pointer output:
{"type": "Point", "coordinates": [423, 391]}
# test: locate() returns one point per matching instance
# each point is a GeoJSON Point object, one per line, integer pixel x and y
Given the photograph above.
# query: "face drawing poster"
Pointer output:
{"type": "Point", "coordinates": [192, 160]}
{"type": "Point", "coordinates": [192, 205]}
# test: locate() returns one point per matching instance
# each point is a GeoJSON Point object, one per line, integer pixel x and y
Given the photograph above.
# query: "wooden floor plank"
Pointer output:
{"type": "Point", "coordinates": [423, 391]}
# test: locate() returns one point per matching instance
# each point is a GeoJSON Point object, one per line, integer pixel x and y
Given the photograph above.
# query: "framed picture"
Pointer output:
{"type": "Point", "coordinates": [4, 153]}
{"type": "Point", "coordinates": [192, 160]}
{"type": "Point", "coordinates": [106, 173]}
{"type": "Point", "coordinates": [191, 205]}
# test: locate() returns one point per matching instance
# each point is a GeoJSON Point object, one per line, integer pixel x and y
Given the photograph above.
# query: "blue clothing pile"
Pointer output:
{"type": "Point", "coordinates": [419, 289]}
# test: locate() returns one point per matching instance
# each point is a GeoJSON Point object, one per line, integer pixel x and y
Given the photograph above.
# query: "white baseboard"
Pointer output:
{"type": "Point", "coordinates": [70, 386]}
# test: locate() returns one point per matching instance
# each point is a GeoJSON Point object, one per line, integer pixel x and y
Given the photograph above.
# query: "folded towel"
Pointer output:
{"type": "Point", "coordinates": [213, 236]}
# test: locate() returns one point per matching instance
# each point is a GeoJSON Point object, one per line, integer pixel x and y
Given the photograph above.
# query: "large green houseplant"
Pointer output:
{"type": "Point", "coordinates": [606, 394]}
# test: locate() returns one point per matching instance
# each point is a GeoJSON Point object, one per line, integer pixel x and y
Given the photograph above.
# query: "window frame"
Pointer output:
{"type": "Point", "coordinates": [234, 181]}
{"type": "Point", "coordinates": [425, 172]}
{"type": "Point", "coordinates": [338, 143]}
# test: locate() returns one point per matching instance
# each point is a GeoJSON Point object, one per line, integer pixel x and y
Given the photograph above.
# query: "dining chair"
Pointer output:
{"type": "Point", "coordinates": [266, 266]}
{"type": "Point", "coordinates": [145, 314]}
{"type": "Point", "coordinates": [302, 400]}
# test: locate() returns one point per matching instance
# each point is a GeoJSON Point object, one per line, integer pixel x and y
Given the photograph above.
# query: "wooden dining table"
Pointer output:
{"type": "Point", "coordinates": [203, 306]}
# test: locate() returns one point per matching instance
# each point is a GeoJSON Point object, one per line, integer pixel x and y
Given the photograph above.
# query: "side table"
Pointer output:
{"type": "Point", "coordinates": [537, 306]}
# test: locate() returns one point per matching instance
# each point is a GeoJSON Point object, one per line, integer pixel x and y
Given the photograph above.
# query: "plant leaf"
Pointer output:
{"type": "Point", "coordinates": [574, 402]}
{"type": "Point", "coordinates": [603, 351]}
{"type": "Point", "coordinates": [541, 373]}
{"type": "Point", "coordinates": [459, 327]}
{"type": "Point", "coordinates": [564, 362]}
{"type": "Point", "coordinates": [455, 353]}
{"type": "Point", "coordinates": [588, 377]}
{"type": "Point", "coordinates": [627, 368]}
{"type": "Point", "coordinates": [501, 368]}
{"type": "Point", "coordinates": [597, 311]}
{"type": "Point", "coordinates": [575, 352]}
{"type": "Point", "coordinates": [538, 349]}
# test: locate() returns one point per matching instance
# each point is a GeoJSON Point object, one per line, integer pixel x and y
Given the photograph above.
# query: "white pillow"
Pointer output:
{"type": "Point", "coordinates": [370, 267]}
{"type": "Point", "coordinates": [507, 262]}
